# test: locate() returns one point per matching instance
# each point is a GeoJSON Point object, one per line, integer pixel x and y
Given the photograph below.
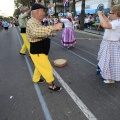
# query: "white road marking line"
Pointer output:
{"type": "Point", "coordinates": [76, 54]}
{"type": "Point", "coordinates": [88, 38]}
{"type": "Point", "coordinates": [75, 98]}
{"type": "Point", "coordinates": [82, 50]}
{"type": "Point", "coordinates": [86, 51]}
{"type": "Point", "coordinates": [37, 89]}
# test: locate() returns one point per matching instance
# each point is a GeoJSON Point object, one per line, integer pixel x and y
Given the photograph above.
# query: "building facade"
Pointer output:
{"type": "Point", "coordinates": [91, 6]}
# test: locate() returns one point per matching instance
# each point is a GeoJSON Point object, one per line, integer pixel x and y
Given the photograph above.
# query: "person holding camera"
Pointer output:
{"type": "Point", "coordinates": [109, 53]}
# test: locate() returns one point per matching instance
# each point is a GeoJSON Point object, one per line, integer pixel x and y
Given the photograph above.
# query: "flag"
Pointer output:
{"type": "Point", "coordinates": [66, 3]}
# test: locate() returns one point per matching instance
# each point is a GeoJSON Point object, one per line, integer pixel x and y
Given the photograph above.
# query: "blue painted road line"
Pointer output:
{"type": "Point", "coordinates": [38, 91]}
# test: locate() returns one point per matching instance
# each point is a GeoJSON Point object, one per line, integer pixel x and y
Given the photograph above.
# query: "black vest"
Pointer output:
{"type": "Point", "coordinates": [23, 30]}
{"type": "Point", "coordinates": [40, 47]}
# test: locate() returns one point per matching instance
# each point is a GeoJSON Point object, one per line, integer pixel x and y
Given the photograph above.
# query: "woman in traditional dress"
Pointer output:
{"type": "Point", "coordinates": [109, 53]}
{"type": "Point", "coordinates": [68, 36]}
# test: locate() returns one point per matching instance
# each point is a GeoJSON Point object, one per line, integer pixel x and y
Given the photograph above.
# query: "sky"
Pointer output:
{"type": "Point", "coordinates": [7, 7]}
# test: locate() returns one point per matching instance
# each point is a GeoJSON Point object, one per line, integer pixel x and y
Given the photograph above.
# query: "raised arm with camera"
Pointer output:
{"type": "Point", "coordinates": [104, 21]}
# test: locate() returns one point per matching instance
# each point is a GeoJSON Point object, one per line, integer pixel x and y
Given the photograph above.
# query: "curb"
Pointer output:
{"type": "Point", "coordinates": [89, 33]}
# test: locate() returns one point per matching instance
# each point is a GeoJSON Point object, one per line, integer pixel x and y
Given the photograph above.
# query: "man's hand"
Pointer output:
{"type": "Point", "coordinates": [57, 26]}
{"type": "Point", "coordinates": [54, 34]}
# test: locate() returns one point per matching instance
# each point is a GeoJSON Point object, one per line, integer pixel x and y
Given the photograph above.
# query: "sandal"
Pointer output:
{"type": "Point", "coordinates": [54, 88]}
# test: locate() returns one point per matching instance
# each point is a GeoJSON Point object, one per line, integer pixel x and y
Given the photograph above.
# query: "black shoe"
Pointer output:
{"type": "Point", "coordinates": [41, 81]}
{"type": "Point", "coordinates": [22, 53]}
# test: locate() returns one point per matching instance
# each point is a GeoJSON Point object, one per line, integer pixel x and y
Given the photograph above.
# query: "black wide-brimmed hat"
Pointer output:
{"type": "Point", "coordinates": [37, 6]}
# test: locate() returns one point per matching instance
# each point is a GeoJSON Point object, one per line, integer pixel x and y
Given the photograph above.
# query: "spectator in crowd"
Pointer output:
{"type": "Point", "coordinates": [86, 21]}
{"type": "Point", "coordinates": [79, 19]}
{"type": "Point", "coordinates": [94, 15]}
{"type": "Point", "coordinates": [5, 24]}
{"type": "Point", "coordinates": [91, 21]}
{"type": "Point", "coordinates": [45, 21]}
{"type": "Point", "coordinates": [0, 24]}
{"type": "Point", "coordinates": [75, 23]}
{"type": "Point", "coordinates": [16, 22]}
{"type": "Point", "coordinates": [97, 25]}
{"type": "Point", "coordinates": [51, 20]}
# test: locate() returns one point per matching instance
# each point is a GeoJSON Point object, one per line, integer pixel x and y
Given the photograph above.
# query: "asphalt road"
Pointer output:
{"type": "Point", "coordinates": [84, 95]}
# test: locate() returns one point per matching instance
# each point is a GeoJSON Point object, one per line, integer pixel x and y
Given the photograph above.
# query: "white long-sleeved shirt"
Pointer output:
{"type": "Point", "coordinates": [66, 22]}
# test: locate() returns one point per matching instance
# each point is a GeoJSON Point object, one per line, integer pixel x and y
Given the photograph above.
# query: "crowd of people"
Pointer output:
{"type": "Point", "coordinates": [36, 30]}
{"type": "Point", "coordinates": [6, 24]}
{"type": "Point", "coordinates": [90, 21]}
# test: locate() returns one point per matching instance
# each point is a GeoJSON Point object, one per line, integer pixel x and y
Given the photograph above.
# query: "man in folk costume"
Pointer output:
{"type": "Point", "coordinates": [22, 23]}
{"type": "Point", "coordinates": [68, 36]}
{"type": "Point", "coordinates": [38, 35]}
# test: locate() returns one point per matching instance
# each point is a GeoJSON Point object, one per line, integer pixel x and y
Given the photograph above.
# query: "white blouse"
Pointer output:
{"type": "Point", "coordinates": [66, 22]}
{"type": "Point", "coordinates": [114, 33]}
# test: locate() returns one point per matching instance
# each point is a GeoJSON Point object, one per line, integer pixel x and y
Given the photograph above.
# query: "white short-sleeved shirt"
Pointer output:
{"type": "Point", "coordinates": [66, 22]}
{"type": "Point", "coordinates": [86, 20]}
{"type": "Point", "coordinates": [114, 33]}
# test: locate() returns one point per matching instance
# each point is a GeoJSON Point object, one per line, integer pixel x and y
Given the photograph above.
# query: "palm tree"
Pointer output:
{"type": "Point", "coordinates": [82, 15]}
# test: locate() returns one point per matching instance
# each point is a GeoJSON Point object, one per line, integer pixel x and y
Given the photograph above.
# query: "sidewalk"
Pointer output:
{"type": "Point", "coordinates": [93, 31]}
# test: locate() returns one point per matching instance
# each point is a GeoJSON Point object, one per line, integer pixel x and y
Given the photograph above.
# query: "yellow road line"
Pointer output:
{"type": "Point", "coordinates": [89, 38]}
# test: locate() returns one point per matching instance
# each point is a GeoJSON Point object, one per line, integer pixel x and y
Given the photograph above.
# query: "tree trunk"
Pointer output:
{"type": "Point", "coordinates": [55, 7]}
{"type": "Point", "coordinates": [82, 15]}
{"type": "Point", "coordinates": [45, 3]}
{"type": "Point", "coordinates": [112, 3]}
{"type": "Point", "coordinates": [74, 10]}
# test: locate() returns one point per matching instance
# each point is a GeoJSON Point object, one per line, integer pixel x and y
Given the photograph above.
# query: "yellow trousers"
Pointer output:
{"type": "Point", "coordinates": [42, 67]}
{"type": "Point", "coordinates": [26, 44]}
